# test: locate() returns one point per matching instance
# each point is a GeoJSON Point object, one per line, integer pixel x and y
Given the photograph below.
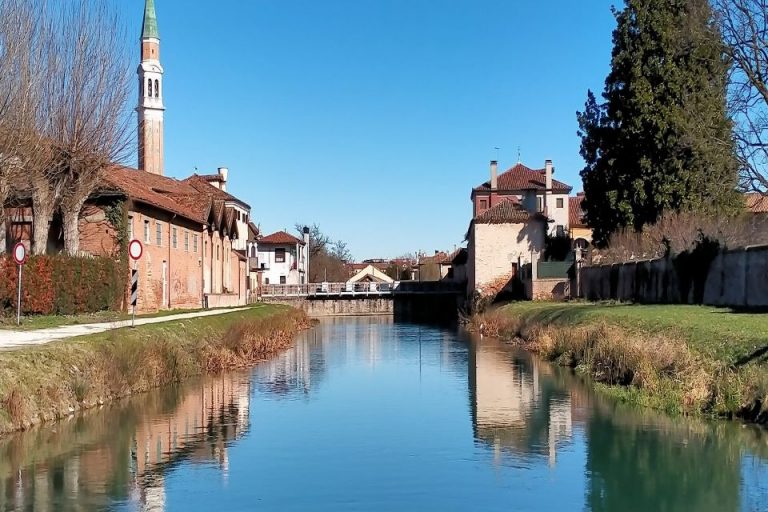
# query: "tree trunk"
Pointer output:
{"type": "Point", "coordinates": [3, 230]}
{"type": "Point", "coordinates": [70, 214]}
{"type": "Point", "coordinates": [42, 206]}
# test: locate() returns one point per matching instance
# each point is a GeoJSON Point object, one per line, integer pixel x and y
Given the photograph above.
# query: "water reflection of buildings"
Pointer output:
{"type": "Point", "coordinates": [517, 408]}
{"type": "Point", "coordinates": [301, 368]}
{"type": "Point", "coordinates": [125, 453]}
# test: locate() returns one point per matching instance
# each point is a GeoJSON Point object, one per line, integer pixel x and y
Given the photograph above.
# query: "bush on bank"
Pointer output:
{"type": "Point", "coordinates": [63, 285]}
{"type": "Point", "coordinates": [645, 360]}
{"type": "Point", "coordinates": [52, 381]}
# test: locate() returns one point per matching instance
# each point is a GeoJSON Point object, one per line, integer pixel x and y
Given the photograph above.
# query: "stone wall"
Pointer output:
{"type": "Point", "coordinates": [734, 278]}
{"type": "Point", "coordinates": [551, 289]}
{"type": "Point", "coordinates": [342, 306]}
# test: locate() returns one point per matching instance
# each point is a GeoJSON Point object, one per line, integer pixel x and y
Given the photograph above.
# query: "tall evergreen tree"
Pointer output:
{"type": "Point", "coordinates": [661, 140]}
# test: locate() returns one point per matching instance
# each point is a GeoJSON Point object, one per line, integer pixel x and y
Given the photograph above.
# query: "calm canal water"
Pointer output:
{"type": "Point", "coordinates": [368, 415]}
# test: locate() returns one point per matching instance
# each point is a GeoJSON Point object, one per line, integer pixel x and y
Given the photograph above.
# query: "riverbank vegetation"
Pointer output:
{"type": "Point", "coordinates": [682, 359]}
{"type": "Point", "coordinates": [52, 381]}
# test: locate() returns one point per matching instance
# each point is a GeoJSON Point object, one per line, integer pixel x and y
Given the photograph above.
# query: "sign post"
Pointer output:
{"type": "Point", "coordinates": [20, 257]}
{"type": "Point", "coordinates": [135, 251]}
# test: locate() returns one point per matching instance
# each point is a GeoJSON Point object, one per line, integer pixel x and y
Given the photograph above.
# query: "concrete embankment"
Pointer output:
{"type": "Point", "coordinates": [53, 381]}
{"type": "Point", "coordinates": [682, 359]}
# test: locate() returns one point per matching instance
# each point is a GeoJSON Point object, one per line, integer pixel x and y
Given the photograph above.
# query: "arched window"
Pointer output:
{"type": "Point", "coordinates": [157, 88]}
{"type": "Point", "coordinates": [149, 87]}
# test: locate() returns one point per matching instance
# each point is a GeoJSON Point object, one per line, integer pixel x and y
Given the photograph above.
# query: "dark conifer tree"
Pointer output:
{"type": "Point", "coordinates": [661, 140]}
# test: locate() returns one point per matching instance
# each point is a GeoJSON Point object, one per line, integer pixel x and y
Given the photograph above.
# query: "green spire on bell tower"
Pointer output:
{"type": "Point", "coordinates": [149, 29]}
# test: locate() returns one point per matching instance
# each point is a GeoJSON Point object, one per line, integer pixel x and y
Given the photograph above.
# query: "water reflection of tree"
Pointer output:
{"type": "Point", "coordinates": [641, 468]}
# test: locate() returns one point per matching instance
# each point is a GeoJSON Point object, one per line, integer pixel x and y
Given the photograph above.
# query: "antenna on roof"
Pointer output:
{"type": "Point", "coordinates": [519, 158]}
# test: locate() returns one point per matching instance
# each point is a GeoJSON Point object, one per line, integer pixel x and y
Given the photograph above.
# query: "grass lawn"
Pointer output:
{"type": "Point", "coordinates": [33, 323]}
{"type": "Point", "coordinates": [719, 333]}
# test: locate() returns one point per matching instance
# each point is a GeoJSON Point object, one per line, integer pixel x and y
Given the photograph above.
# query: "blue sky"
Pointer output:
{"type": "Point", "coordinates": [374, 118]}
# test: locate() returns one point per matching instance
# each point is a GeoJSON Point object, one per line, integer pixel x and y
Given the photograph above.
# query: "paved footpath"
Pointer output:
{"type": "Point", "coordinates": [11, 339]}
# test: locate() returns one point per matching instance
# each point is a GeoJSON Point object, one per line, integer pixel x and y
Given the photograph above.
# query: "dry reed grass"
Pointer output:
{"type": "Point", "coordinates": [662, 367]}
{"type": "Point", "coordinates": [50, 382]}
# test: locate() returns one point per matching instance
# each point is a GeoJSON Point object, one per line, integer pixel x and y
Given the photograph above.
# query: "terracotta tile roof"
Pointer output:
{"type": "Point", "coordinates": [202, 185]}
{"type": "Point", "coordinates": [281, 237]}
{"type": "Point", "coordinates": [159, 191]}
{"type": "Point", "coordinates": [575, 212]}
{"type": "Point", "coordinates": [520, 178]}
{"type": "Point", "coordinates": [506, 212]}
{"type": "Point", "coordinates": [756, 203]}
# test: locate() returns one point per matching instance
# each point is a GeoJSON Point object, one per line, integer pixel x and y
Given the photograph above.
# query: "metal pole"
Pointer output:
{"type": "Point", "coordinates": [133, 316]}
{"type": "Point", "coordinates": [18, 302]}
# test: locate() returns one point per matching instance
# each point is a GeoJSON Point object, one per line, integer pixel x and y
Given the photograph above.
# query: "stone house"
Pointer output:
{"type": "Point", "coordinates": [283, 259]}
{"type": "Point", "coordinates": [500, 242]}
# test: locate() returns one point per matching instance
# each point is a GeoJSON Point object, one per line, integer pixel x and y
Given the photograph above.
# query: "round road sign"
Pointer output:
{"type": "Point", "coordinates": [20, 254]}
{"type": "Point", "coordinates": [135, 250]}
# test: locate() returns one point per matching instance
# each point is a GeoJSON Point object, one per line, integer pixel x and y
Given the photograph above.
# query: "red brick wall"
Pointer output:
{"type": "Point", "coordinates": [170, 277]}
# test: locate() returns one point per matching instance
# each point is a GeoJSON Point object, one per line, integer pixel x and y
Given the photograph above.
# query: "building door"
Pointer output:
{"type": "Point", "coordinates": [165, 283]}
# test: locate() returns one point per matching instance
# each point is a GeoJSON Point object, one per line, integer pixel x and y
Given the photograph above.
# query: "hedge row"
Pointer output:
{"type": "Point", "coordinates": [63, 285]}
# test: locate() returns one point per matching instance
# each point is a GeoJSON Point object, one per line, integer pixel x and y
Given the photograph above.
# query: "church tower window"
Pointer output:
{"type": "Point", "coordinates": [149, 87]}
{"type": "Point", "coordinates": [157, 88]}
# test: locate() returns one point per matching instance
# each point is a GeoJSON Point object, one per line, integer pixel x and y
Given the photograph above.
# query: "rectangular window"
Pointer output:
{"type": "Point", "coordinates": [279, 255]}
{"type": "Point", "coordinates": [560, 230]}
{"type": "Point", "coordinates": [560, 202]}
{"type": "Point", "coordinates": [266, 281]}
{"type": "Point", "coordinates": [130, 228]}
{"type": "Point", "coordinates": [483, 204]}
{"type": "Point", "coordinates": [283, 280]}
{"type": "Point", "coordinates": [175, 238]}
{"type": "Point", "coordinates": [186, 241]}
{"type": "Point", "coordinates": [159, 233]}
{"type": "Point", "coordinates": [146, 231]}
{"type": "Point", "coordinates": [541, 204]}
{"type": "Point", "coordinates": [194, 244]}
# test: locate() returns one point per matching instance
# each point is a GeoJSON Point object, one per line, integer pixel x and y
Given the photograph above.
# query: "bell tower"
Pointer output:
{"type": "Point", "coordinates": [150, 110]}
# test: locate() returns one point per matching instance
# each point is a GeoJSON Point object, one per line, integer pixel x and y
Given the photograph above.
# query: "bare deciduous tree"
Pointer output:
{"type": "Point", "coordinates": [22, 73]}
{"type": "Point", "coordinates": [64, 117]}
{"type": "Point", "coordinates": [90, 124]}
{"type": "Point", "coordinates": [744, 25]}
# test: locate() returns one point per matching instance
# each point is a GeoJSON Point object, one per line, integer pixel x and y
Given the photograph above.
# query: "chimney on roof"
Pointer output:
{"type": "Point", "coordinates": [305, 236]}
{"type": "Point", "coordinates": [223, 173]}
{"type": "Point", "coordinates": [548, 171]}
{"type": "Point", "coordinates": [494, 174]}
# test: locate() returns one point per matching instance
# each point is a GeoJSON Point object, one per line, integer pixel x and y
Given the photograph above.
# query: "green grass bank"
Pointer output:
{"type": "Point", "coordinates": [682, 359]}
{"type": "Point", "coordinates": [52, 381]}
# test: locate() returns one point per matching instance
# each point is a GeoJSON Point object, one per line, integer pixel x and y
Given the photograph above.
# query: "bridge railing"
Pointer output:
{"type": "Point", "coordinates": [345, 289]}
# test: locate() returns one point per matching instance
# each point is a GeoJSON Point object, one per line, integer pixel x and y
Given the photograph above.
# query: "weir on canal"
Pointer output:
{"type": "Point", "coordinates": [439, 301]}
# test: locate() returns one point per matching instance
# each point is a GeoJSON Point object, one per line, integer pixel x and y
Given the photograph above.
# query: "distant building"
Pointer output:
{"type": "Point", "coordinates": [535, 190]}
{"type": "Point", "coordinates": [283, 259]}
{"type": "Point", "coordinates": [756, 203]}
{"type": "Point", "coordinates": [371, 274]}
{"type": "Point", "coordinates": [581, 234]}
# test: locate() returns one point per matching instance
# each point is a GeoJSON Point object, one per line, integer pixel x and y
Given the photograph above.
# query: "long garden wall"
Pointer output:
{"type": "Point", "coordinates": [735, 278]}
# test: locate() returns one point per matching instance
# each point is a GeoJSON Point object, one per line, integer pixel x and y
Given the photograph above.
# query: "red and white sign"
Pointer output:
{"type": "Point", "coordinates": [135, 250]}
{"type": "Point", "coordinates": [20, 254]}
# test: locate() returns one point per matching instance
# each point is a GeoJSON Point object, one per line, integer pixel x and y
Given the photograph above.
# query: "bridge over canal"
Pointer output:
{"type": "Point", "coordinates": [406, 300]}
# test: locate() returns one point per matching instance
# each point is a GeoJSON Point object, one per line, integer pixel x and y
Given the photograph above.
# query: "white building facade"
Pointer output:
{"type": "Point", "coordinates": [283, 259]}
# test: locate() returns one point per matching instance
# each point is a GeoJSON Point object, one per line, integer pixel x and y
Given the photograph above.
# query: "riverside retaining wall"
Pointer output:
{"type": "Point", "coordinates": [734, 278]}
